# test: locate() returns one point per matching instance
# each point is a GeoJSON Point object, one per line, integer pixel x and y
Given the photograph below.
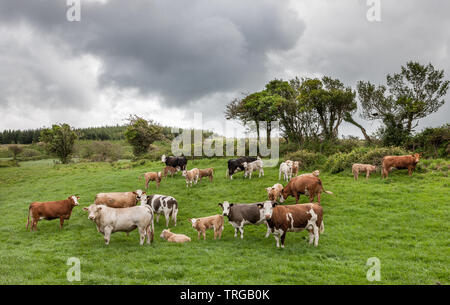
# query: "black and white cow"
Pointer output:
{"type": "Point", "coordinates": [162, 204]}
{"type": "Point", "coordinates": [240, 215]}
{"type": "Point", "coordinates": [173, 161]}
{"type": "Point", "coordinates": [235, 165]}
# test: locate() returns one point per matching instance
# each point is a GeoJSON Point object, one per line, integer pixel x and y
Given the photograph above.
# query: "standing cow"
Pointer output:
{"type": "Point", "coordinates": [173, 161]}
{"type": "Point", "coordinates": [236, 165]}
{"type": "Point", "coordinates": [367, 168]}
{"type": "Point", "coordinates": [308, 185]}
{"type": "Point", "coordinates": [240, 215]}
{"type": "Point", "coordinates": [110, 220]}
{"type": "Point", "coordinates": [293, 218]}
{"type": "Point", "coordinates": [49, 210]}
{"type": "Point", "coordinates": [400, 162]}
{"type": "Point", "coordinates": [119, 199]}
{"type": "Point", "coordinates": [162, 204]}
{"type": "Point", "coordinates": [252, 167]}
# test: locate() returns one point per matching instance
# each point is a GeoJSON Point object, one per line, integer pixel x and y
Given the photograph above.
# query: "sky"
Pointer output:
{"type": "Point", "coordinates": [171, 60]}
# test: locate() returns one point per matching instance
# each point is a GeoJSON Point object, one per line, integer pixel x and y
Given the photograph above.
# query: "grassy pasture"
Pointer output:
{"type": "Point", "coordinates": [402, 221]}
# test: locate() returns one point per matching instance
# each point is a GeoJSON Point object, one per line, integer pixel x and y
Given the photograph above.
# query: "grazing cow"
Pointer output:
{"type": "Point", "coordinates": [313, 174]}
{"type": "Point", "coordinates": [208, 172]}
{"type": "Point", "coordinates": [119, 199]}
{"type": "Point", "coordinates": [400, 162]}
{"type": "Point", "coordinates": [251, 167]}
{"type": "Point", "coordinates": [162, 204]}
{"type": "Point", "coordinates": [240, 215]}
{"type": "Point", "coordinates": [174, 238]}
{"type": "Point", "coordinates": [49, 210]}
{"type": "Point", "coordinates": [357, 168]}
{"type": "Point", "coordinates": [274, 192]}
{"type": "Point", "coordinates": [286, 170]}
{"type": "Point", "coordinates": [173, 161]}
{"type": "Point", "coordinates": [310, 186]}
{"type": "Point", "coordinates": [152, 176]}
{"type": "Point", "coordinates": [202, 224]}
{"type": "Point", "coordinates": [191, 176]}
{"type": "Point", "coordinates": [110, 220]}
{"type": "Point", "coordinates": [236, 165]}
{"type": "Point", "coordinates": [169, 170]}
{"type": "Point", "coordinates": [293, 218]}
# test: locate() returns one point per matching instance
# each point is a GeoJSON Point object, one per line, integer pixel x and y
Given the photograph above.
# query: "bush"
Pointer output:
{"type": "Point", "coordinates": [9, 163]}
{"type": "Point", "coordinates": [99, 151]}
{"type": "Point", "coordinates": [5, 152]}
{"type": "Point", "coordinates": [308, 159]}
{"type": "Point", "coordinates": [29, 152]}
{"type": "Point", "coordinates": [367, 155]}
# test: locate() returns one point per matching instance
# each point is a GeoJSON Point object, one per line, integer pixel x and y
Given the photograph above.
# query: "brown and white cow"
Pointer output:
{"type": "Point", "coordinates": [173, 237]}
{"type": "Point", "coordinates": [286, 170]}
{"type": "Point", "coordinates": [191, 176]}
{"type": "Point", "coordinates": [207, 172]}
{"type": "Point", "coordinates": [49, 210]}
{"type": "Point", "coordinates": [250, 167]}
{"type": "Point", "coordinates": [214, 222]}
{"type": "Point", "coordinates": [293, 218]}
{"type": "Point", "coordinates": [119, 199]}
{"type": "Point", "coordinates": [295, 167]}
{"type": "Point", "coordinates": [315, 173]}
{"type": "Point", "coordinates": [109, 220]}
{"type": "Point", "coordinates": [169, 170]}
{"type": "Point", "coordinates": [274, 192]}
{"type": "Point", "coordinates": [308, 185]}
{"type": "Point", "coordinates": [400, 162]}
{"type": "Point", "coordinates": [361, 168]}
{"type": "Point", "coordinates": [152, 176]}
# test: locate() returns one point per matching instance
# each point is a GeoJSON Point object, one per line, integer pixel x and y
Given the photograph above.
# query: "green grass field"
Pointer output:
{"type": "Point", "coordinates": [404, 222]}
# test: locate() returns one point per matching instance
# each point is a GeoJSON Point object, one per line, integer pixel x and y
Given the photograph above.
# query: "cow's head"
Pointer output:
{"type": "Point", "coordinates": [316, 173]}
{"type": "Point", "coordinates": [164, 233]}
{"type": "Point", "coordinates": [416, 157]}
{"type": "Point", "coordinates": [94, 211]}
{"type": "Point", "coordinates": [226, 207]}
{"type": "Point", "coordinates": [163, 158]}
{"type": "Point", "coordinates": [284, 195]}
{"type": "Point", "coordinates": [193, 221]}
{"type": "Point", "coordinates": [267, 208]}
{"type": "Point", "coordinates": [184, 173]}
{"type": "Point", "coordinates": [271, 193]}
{"type": "Point", "coordinates": [74, 200]}
{"type": "Point", "coordinates": [139, 194]}
{"type": "Point", "coordinates": [245, 164]}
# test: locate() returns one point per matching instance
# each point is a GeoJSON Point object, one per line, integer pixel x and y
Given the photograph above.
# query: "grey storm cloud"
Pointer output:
{"type": "Point", "coordinates": [178, 50]}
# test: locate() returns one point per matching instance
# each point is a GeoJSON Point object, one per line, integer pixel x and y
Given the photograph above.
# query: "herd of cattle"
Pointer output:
{"type": "Point", "coordinates": [119, 212]}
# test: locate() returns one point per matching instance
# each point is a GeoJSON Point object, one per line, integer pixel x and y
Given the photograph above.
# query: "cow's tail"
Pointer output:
{"type": "Point", "coordinates": [328, 192]}
{"type": "Point", "coordinates": [151, 226]}
{"type": "Point", "coordinates": [322, 227]}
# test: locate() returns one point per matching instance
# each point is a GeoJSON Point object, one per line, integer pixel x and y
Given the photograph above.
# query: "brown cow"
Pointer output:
{"type": "Point", "coordinates": [152, 176]}
{"type": "Point", "coordinates": [49, 210]}
{"type": "Point", "coordinates": [173, 237]}
{"type": "Point", "coordinates": [202, 224]}
{"type": "Point", "coordinates": [120, 199]}
{"type": "Point", "coordinates": [308, 185]}
{"type": "Point", "coordinates": [274, 192]}
{"type": "Point", "coordinates": [400, 162]}
{"type": "Point", "coordinates": [208, 172]}
{"type": "Point", "coordinates": [169, 170]}
{"type": "Point", "coordinates": [367, 168]}
{"type": "Point", "coordinates": [293, 218]}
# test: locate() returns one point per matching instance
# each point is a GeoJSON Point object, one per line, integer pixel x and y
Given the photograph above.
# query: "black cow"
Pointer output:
{"type": "Point", "coordinates": [235, 165]}
{"type": "Point", "coordinates": [173, 161]}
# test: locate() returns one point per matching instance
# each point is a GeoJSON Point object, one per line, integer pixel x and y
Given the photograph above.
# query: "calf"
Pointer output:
{"type": "Point", "coordinates": [202, 224]}
{"type": "Point", "coordinates": [286, 170]}
{"type": "Point", "coordinates": [208, 172]}
{"type": "Point", "coordinates": [110, 220]}
{"type": "Point", "coordinates": [119, 199]}
{"type": "Point", "coordinates": [293, 218]}
{"type": "Point", "coordinates": [191, 176]}
{"type": "Point", "coordinates": [295, 167]}
{"type": "Point", "coordinates": [313, 174]}
{"type": "Point", "coordinates": [400, 162]}
{"type": "Point", "coordinates": [274, 192]}
{"type": "Point", "coordinates": [161, 204]}
{"type": "Point", "coordinates": [152, 176]}
{"type": "Point", "coordinates": [169, 170]}
{"type": "Point", "coordinates": [310, 186]}
{"type": "Point", "coordinates": [236, 165]}
{"type": "Point", "coordinates": [174, 238]}
{"type": "Point", "coordinates": [49, 210]}
{"type": "Point", "coordinates": [173, 161]}
{"type": "Point", "coordinates": [357, 168]}
{"type": "Point", "coordinates": [253, 166]}
{"type": "Point", "coordinates": [240, 215]}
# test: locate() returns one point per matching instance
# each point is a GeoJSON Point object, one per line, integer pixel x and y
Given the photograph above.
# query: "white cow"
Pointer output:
{"type": "Point", "coordinates": [251, 167]}
{"type": "Point", "coordinates": [286, 170]}
{"type": "Point", "coordinates": [110, 220]}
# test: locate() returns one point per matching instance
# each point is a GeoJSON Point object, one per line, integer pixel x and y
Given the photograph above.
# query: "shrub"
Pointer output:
{"type": "Point", "coordinates": [30, 152]}
{"type": "Point", "coordinates": [9, 163]}
{"type": "Point", "coordinates": [99, 151]}
{"type": "Point", "coordinates": [367, 155]}
{"type": "Point", "coordinates": [308, 159]}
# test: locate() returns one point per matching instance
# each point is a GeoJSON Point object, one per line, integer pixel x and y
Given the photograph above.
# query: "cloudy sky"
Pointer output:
{"type": "Point", "coordinates": [169, 59]}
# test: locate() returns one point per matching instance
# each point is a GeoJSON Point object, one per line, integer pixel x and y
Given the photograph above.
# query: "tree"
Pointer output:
{"type": "Point", "coordinates": [141, 133]}
{"type": "Point", "coordinates": [409, 96]}
{"type": "Point", "coordinates": [15, 150]}
{"type": "Point", "coordinates": [59, 140]}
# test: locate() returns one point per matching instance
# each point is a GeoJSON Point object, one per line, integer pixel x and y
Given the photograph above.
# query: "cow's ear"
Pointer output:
{"type": "Point", "coordinates": [78, 197]}
{"type": "Point", "coordinates": [260, 205]}
{"type": "Point", "coordinates": [220, 204]}
{"type": "Point", "coordinates": [135, 193]}
{"type": "Point", "coordinates": [85, 209]}
{"type": "Point", "coordinates": [274, 204]}
{"type": "Point", "coordinates": [231, 204]}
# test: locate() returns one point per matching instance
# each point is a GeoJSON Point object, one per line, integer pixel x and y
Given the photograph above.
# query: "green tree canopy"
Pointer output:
{"type": "Point", "coordinates": [141, 133]}
{"type": "Point", "coordinates": [59, 141]}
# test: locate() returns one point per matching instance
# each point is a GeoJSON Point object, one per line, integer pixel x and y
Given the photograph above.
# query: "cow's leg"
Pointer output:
{"type": "Point", "coordinates": [241, 229]}
{"type": "Point", "coordinates": [355, 175]}
{"type": "Point", "coordinates": [410, 171]}
{"type": "Point", "coordinates": [235, 231]}
{"type": "Point", "coordinates": [61, 222]}
{"type": "Point", "coordinates": [318, 198]}
{"type": "Point", "coordinates": [107, 234]}
{"type": "Point", "coordinates": [167, 216]}
{"type": "Point", "coordinates": [268, 229]}
{"type": "Point", "coordinates": [142, 233]}
{"type": "Point", "coordinates": [215, 232]}
{"type": "Point", "coordinates": [296, 197]}
{"type": "Point", "coordinates": [174, 216]}
{"type": "Point", "coordinates": [316, 236]}
{"type": "Point", "coordinates": [199, 232]}
{"type": "Point", "coordinates": [311, 236]}
{"type": "Point", "coordinates": [148, 231]}
{"type": "Point", "coordinates": [204, 234]}
{"type": "Point", "coordinates": [157, 218]}
{"type": "Point", "coordinates": [277, 238]}
{"type": "Point", "coordinates": [146, 184]}
{"type": "Point", "coordinates": [367, 175]}
{"type": "Point", "coordinates": [283, 236]}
